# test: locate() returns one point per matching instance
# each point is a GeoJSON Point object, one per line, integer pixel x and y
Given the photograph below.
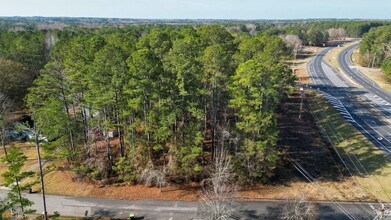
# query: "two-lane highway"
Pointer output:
{"type": "Point", "coordinates": [328, 80]}
{"type": "Point", "coordinates": [378, 96]}
{"type": "Point", "coordinates": [347, 66]}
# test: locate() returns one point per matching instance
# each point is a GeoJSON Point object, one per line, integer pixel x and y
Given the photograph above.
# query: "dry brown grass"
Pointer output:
{"type": "Point", "coordinates": [66, 183]}
{"type": "Point", "coordinates": [377, 165]}
{"type": "Point", "coordinates": [331, 58]}
{"type": "Point", "coordinates": [29, 151]}
{"type": "Point", "coordinates": [299, 66]}
{"type": "Point", "coordinates": [374, 74]}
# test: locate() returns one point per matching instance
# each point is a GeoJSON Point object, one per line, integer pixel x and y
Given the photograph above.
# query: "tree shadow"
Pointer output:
{"type": "Point", "coordinates": [325, 211]}
{"type": "Point", "coordinates": [302, 140]}
{"type": "Point", "coordinates": [103, 214]}
{"type": "Point", "coordinates": [366, 117]}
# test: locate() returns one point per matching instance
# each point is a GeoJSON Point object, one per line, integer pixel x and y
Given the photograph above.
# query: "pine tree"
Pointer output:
{"type": "Point", "coordinates": [13, 178]}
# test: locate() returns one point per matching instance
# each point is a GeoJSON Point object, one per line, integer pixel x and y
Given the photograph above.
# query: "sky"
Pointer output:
{"type": "Point", "coordinates": [200, 9]}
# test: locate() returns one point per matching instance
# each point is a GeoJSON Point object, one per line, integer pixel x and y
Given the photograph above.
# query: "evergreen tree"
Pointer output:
{"type": "Point", "coordinates": [13, 178]}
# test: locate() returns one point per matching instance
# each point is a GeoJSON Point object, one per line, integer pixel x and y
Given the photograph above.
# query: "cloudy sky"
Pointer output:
{"type": "Point", "coordinates": [224, 9]}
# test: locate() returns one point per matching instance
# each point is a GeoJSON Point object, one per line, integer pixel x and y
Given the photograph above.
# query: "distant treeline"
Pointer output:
{"type": "Point", "coordinates": [354, 28]}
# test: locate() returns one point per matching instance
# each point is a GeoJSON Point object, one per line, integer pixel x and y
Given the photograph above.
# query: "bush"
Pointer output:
{"type": "Point", "coordinates": [154, 177]}
{"type": "Point", "coordinates": [125, 170]}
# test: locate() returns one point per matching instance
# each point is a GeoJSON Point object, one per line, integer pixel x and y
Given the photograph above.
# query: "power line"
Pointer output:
{"type": "Point", "coordinates": [311, 179]}
{"type": "Point", "coordinates": [336, 130]}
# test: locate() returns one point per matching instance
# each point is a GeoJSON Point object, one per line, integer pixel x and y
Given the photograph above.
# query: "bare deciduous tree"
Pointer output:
{"type": "Point", "coordinates": [298, 208]}
{"type": "Point", "coordinates": [293, 43]}
{"type": "Point", "coordinates": [333, 34]}
{"type": "Point", "coordinates": [336, 34]}
{"type": "Point", "coordinates": [154, 177]}
{"type": "Point", "coordinates": [219, 196]}
{"type": "Point", "coordinates": [342, 33]}
{"type": "Point", "coordinates": [51, 39]}
{"type": "Point", "coordinates": [251, 28]}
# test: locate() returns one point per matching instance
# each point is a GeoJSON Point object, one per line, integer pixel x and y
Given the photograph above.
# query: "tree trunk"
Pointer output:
{"type": "Point", "coordinates": [40, 173]}
{"type": "Point", "coordinates": [213, 123]}
{"type": "Point", "coordinates": [107, 141]}
{"type": "Point", "coordinates": [119, 130]}
{"type": "Point", "coordinates": [3, 143]}
{"type": "Point", "coordinates": [20, 196]}
{"type": "Point", "coordinates": [85, 127]}
{"type": "Point", "coordinates": [108, 150]}
{"type": "Point", "coordinates": [146, 119]}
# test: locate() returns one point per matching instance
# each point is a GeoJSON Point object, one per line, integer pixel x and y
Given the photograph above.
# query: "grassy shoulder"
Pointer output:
{"type": "Point", "coordinates": [375, 74]}
{"type": "Point", "coordinates": [299, 65]}
{"type": "Point", "coordinates": [331, 58]}
{"type": "Point", "coordinates": [370, 167]}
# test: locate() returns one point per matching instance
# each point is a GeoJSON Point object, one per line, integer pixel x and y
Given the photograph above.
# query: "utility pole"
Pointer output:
{"type": "Point", "coordinates": [302, 97]}
{"type": "Point", "coordinates": [301, 102]}
{"type": "Point", "coordinates": [45, 214]}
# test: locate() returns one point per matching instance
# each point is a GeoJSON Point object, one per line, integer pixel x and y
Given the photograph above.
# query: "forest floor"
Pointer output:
{"type": "Point", "coordinates": [300, 142]}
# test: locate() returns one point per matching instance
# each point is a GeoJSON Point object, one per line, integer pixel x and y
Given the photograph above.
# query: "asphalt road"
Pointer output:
{"type": "Point", "coordinates": [328, 80]}
{"type": "Point", "coordinates": [347, 66]}
{"type": "Point", "coordinates": [107, 208]}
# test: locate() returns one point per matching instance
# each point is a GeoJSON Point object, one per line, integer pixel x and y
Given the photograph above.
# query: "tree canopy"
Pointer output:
{"type": "Point", "coordinates": [170, 98]}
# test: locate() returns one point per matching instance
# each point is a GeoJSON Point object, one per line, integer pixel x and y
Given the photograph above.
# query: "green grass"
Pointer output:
{"type": "Point", "coordinates": [353, 146]}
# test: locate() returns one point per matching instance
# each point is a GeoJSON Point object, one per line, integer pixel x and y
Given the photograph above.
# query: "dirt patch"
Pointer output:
{"type": "Point", "coordinates": [299, 65]}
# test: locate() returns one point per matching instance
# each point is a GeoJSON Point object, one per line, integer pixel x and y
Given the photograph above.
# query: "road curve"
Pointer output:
{"type": "Point", "coordinates": [345, 61]}
{"type": "Point", "coordinates": [328, 80]}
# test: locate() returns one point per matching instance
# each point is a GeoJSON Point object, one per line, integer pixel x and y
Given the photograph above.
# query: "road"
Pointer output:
{"type": "Point", "coordinates": [98, 208]}
{"type": "Point", "coordinates": [377, 96]}
{"type": "Point", "coordinates": [347, 66]}
{"type": "Point", "coordinates": [330, 82]}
